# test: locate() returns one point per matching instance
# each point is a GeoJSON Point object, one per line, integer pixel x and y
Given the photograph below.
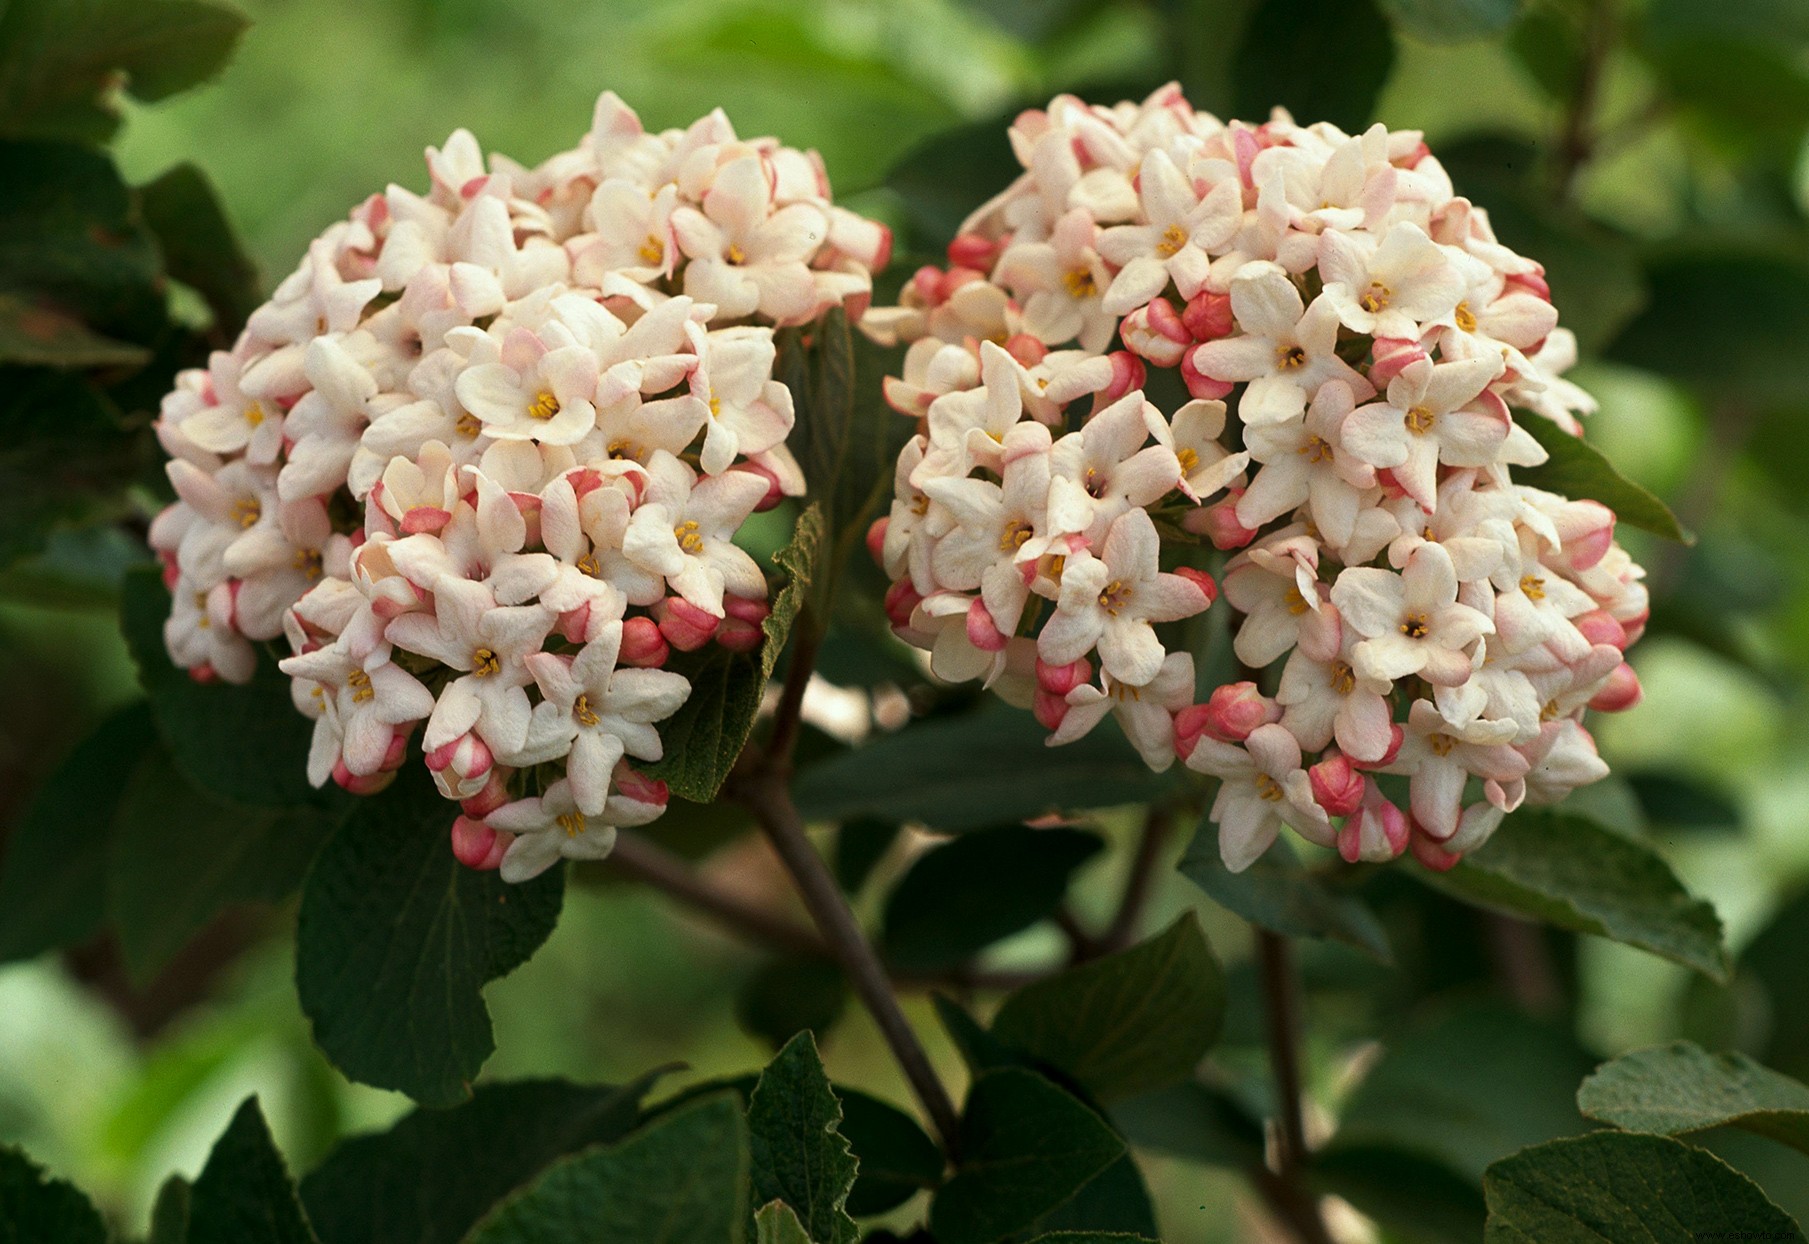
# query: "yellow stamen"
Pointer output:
{"type": "Point", "coordinates": [1016, 532]}
{"type": "Point", "coordinates": [468, 426]}
{"type": "Point", "coordinates": [620, 449]}
{"type": "Point", "coordinates": [1416, 626]}
{"type": "Point", "coordinates": [544, 405]}
{"type": "Point", "coordinates": [1296, 603]}
{"type": "Point", "coordinates": [247, 510]}
{"type": "Point", "coordinates": [1344, 678]}
{"type": "Point", "coordinates": [1420, 420]}
{"type": "Point", "coordinates": [1376, 297]}
{"type": "Point", "coordinates": [689, 538]}
{"type": "Point", "coordinates": [1079, 283]}
{"type": "Point", "coordinates": [735, 254]}
{"type": "Point", "coordinates": [360, 683]}
{"type": "Point", "coordinates": [571, 822]}
{"type": "Point", "coordinates": [920, 504]}
{"type": "Point", "coordinates": [652, 250]}
{"type": "Point", "coordinates": [715, 406]}
{"type": "Point", "coordinates": [1269, 788]}
{"type": "Point", "coordinates": [1289, 358]}
{"type": "Point", "coordinates": [1441, 744]}
{"type": "Point", "coordinates": [201, 604]}
{"type": "Point", "coordinates": [1464, 317]}
{"type": "Point", "coordinates": [1188, 460]}
{"type": "Point", "coordinates": [1173, 239]}
{"type": "Point", "coordinates": [582, 710]}
{"type": "Point", "coordinates": [484, 662]}
{"type": "Point", "coordinates": [1549, 712]}
{"type": "Point", "coordinates": [588, 565]}
{"type": "Point", "coordinates": [254, 414]}
{"type": "Point", "coordinates": [308, 562]}
{"type": "Point", "coordinates": [1116, 596]}
{"type": "Point", "coordinates": [1317, 449]}
{"type": "Point", "coordinates": [1533, 586]}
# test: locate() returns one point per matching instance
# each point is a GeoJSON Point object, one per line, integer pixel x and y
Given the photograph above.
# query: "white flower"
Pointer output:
{"type": "Point", "coordinates": [1063, 281]}
{"type": "Point", "coordinates": [1179, 228]}
{"type": "Point", "coordinates": [1262, 787]}
{"type": "Point", "coordinates": [1145, 713]}
{"type": "Point", "coordinates": [548, 828]}
{"type": "Point", "coordinates": [1388, 288]}
{"type": "Point", "coordinates": [370, 698]}
{"type": "Point", "coordinates": [684, 532]}
{"type": "Point", "coordinates": [747, 257]}
{"type": "Point", "coordinates": [1107, 468]}
{"type": "Point", "coordinates": [1431, 416]}
{"type": "Point", "coordinates": [1305, 462]}
{"type": "Point", "coordinates": [745, 410]}
{"type": "Point", "coordinates": [1411, 623]}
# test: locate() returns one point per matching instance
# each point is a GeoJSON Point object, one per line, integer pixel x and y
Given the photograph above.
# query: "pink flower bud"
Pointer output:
{"type": "Point", "coordinates": [1396, 736]}
{"type": "Point", "coordinates": [574, 622]}
{"type": "Point", "coordinates": [477, 846]}
{"type": "Point", "coordinates": [204, 673]}
{"type": "Point", "coordinates": [418, 518]}
{"type": "Point", "coordinates": [1201, 580]}
{"type": "Point", "coordinates": [368, 784]}
{"type": "Point", "coordinates": [1337, 786]}
{"type": "Point", "coordinates": [982, 633]}
{"type": "Point", "coordinates": [493, 795]}
{"type": "Point", "coordinates": [1198, 383]}
{"type": "Point", "coordinates": [397, 751]}
{"type": "Point", "coordinates": [775, 493]}
{"type": "Point", "coordinates": [1049, 709]}
{"type": "Point", "coordinates": [901, 602]}
{"type": "Point", "coordinates": [467, 756]}
{"type": "Point", "coordinates": [1430, 852]}
{"type": "Point", "coordinates": [1218, 523]}
{"type": "Point", "coordinates": [876, 539]}
{"type": "Point", "coordinates": [1586, 529]}
{"type": "Point", "coordinates": [643, 646]}
{"type": "Point", "coordinates": [1190, 724]}
{"type": "Point", "coordinates": [1376, 833]}
{"type": "Point", "coordinates": [1599, 626]}
{"type": "Point", "coordinates": [1533, 283]}
{"type": "Point", "coordinates": [1208, 316]}
{"type": "Point", "coordinates": [1127, 374]}
{"type": "Point", "coordinates": [926, 283]}
{"type": "Point", "coordinates": [970, 250]}
{"type": "Point", "coordinates": [1154, 332]}
{"type": "Point", "coordinates": [741, 629]}
{"type": "Point", "coordinates": [1391, 356]}
{"type": "Point", "coordinates": [1061, 679]}
{"type": "Point", "coordinates": [635, 785]}
{"type": "Point", "coordinates": [1235, 709]}
{"type": "Point", "coordinates": [1621, 693]}
{"type": "Point", "coordinates": [685, 626]}
{"type": "Point", "coordinates": [170, 571]}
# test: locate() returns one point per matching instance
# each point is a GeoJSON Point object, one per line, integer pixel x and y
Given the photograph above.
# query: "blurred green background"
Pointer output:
{"type": "Point", "coordinates": [1686, 170]}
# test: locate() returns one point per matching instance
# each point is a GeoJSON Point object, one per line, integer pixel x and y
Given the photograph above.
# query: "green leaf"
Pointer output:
{"type": "Point", "coordinates": [977, 1047]}
{"type": "Point", "coordinates": [1113, 1200]}
{"type": "Point", "coordinates": [897, 1160]}
{"type": "Point", "coordinates": [1038, 21]}
{"type": "Point", "coordinates": [181, 856]}
{"type": "Point", "coordinates": [1677, 1088]}
{"type": "Point", "coordinates": [61, 60]}
{"type": "Point", "coordinates": [1414, 1199]}
{"type": "Point", "coordinates": [1323, 60]}
{"type": "Point", "coordinates": [1091, 1237]}
{"type": "Point", "coordinates": [1277, 893]}
{"type": "Point", "coordinates": [798, 1155]}
{"type": "Point", "coordinates": [947, 176]}
{"type": "Point", "coordinates": [929, 772]}
{"type": "Point", "coordinates": [1770, 972]}
{"type": "Point", "coordinates": [1577, 469]}
{"type": "Point", "coordinates": [1452, 21]}
{"type": "Point", "coordinates": [1467, 1088]}
{"type": "Point", "coordinates": [787, 996]}
{"type": "Point", "coordinates": [42, 336]}
{"type": "Point", "coordinates": [66, 458]}
{"type": "Point", "coordinates": [417, 1184]}
{"type": "Point", "coordinates": [802, 561]}
{"type": "Point", "coordinates": [859, 847]}
{"type": "Point", "coordinates": [1669, 798]}
{"type": "Point", "coordinates": [1611, 1186]}
{"type": "Point", "coordinates": [777, 1224]}
{"type": "Point", "coordinates": [53, 876]}
{"type": "Point", "coordinates": [1193, 1121]}
{"type": "Point", "coordinates": [396, 939]}
{"type": "Point", "coordinates": [244, 1194]}
{"type": "Point", "coordinates": [170, 1215]}
{"type": "Point", "coordinates": [245, 744]}
{"type": "Point", "coordinates": [681, 1179]}
{"type": "Point", "coordinates": [1573, 874]}
{"type": "Point", "coordinates": [1127, 1023]}
{"type": "Point", "coordinates": [34, 1207]}
{"type": "Point", "coordinates": [199, 246]}
{"type": "Point", "coordinates": [1026, 1147]}
{"type": "Point", "coordinates": [968, 893]}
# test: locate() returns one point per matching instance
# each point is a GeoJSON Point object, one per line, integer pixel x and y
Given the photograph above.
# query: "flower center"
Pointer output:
{"type": "Point", "coordinates": [1316, 449]}
{"type": "Point", "coordinates": [247, 510]}
{"type": "Point", "coordinates": [254, 414]}
{"type": "Point", "coordinates": [544, 405]}
{"type": "Point", "coordinates": [308, 562]}
{"type": "Point", "coordinates": [468, 426]}
{"type": "Point", "coordinates": [652, 250]}
{"type": "Point", "coordinates": [715, 406]}
{"type": "Point", "coordinates": [1441, 744]}
{"type": "Point", "coordinates": [1296, 603]}
{"type": "Point", "coordinates": [735, 254]}
{"type": "Point", "coordinates": [1464, 317]}
{"type": "Point", "coordinates": [484, 662]}
{"type": "Point", "coordinates": [1188, 460]}
{"type": "Point", "coordinates": [920, 504]}
{"type": "Point", "coordinates": [1094, 482]}
{"type": "Point", "coordinates": [1416, 626]}
{"type": "Point", "coordinates": [1376, 297]}
{"type": "Point", "coordinates": [1079, 283]}
{"type": "Point", "coordinates": [360, 683]}
{"type": "Point", "coordinates": [588, 565]}
{"type": "Point", "coordinates": [1420, 420]}
{"type": "Point", "coordinates": [581, 709]}
{"type": "Point", "coordinates": [1549, 712]}
{"type": "Point", "coordinates": [620, 449]}
{"type": "Point", "coordinates": [689, 538]}
{"type": "Point", "coordinates": [1116, 596]}
{"type": "Point", "coordinates": [1269, 788]}
{"type": "Point", "coordinates": [1289, 358]}
{"type": "Point", "coordinates": [1344, 679]}
{"type": "Point", "coordinates": [1173, 239]}
{"type": "Point", "coordinates": [1016, 532]}
{"type": "Point", "coordinates": [201, 603]}
{"type": "Point", "coordinates": [571, 822]}
{"type": "Point", "coordinates": [1533, 587]}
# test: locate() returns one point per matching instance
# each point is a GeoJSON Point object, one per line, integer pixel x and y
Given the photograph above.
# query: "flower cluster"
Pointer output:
{"type": "Point", "coordinates": [482, 458]}
{"type": "Point", "coordinates": [1336, 341]}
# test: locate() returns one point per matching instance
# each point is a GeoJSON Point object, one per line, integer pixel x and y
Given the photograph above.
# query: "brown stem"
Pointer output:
{"type": "Point", "coordinates": [652, 864]}
{"type": "Point", "coordinates": [1281, 1006]}
{"type": "Point", "coordinates": [1524, 963]}
{"type": "Point", "coordinates": [1140, 881]}
{"type": "Point", "coordinates": [1576, 142]}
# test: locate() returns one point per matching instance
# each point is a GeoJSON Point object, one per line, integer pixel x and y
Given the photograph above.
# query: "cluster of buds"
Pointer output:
{"type": "Point", "coordinates": [1344, 347]}
{"type": "Point", "coordinates": [481, 461]}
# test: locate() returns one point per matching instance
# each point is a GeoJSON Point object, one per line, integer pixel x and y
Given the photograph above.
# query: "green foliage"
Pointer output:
{"type": "Point", "coordinates": [947, 176]}
{"type": "Point", "coordinates": [34, 1207]}
{"type": "Point", "coordinates": [786, 996]}
{"type": "Point", "coordinates": [1677, 1088]}
{"type": "Point", "coordinates": [1612, 1186]}
{"type": "Point", "coordinates": [934, 772]}
{"type": "Point", "coordinates": [1452, 21]}
{"type": "Point", "coordinates": [1194, 1121]}
{"type": "Point", "coordinates": [896, 1159]}
{"type": "Point", "coordinates": [802, 561]}
{"type": "Point", "coordinates": [66, 456]}
{"type": "Point", "coordinates": [198, 245]}
{"type": "Point", "coordinates": [170, 1214]}
{"type": "Point", "coordinates": [421, 1182]}
{"type": "Point", "coordinates": [965, 894]}
{"type": "Point", "coordinates": [1571, 873]}
{"type": "Point", "coordinates": [1127, 1023]}
{"type": "Point", "coordinates": [1026, 1147]}
{"type": "Point", "coordinates": [798, 1155]}
{"type": "Point", "coordinates": [776, 1223]}
{"type": "Point", "coordinates": [1321, 59]}
{"type": "Point", "coordinates": [859, 847]}
{"type": "Point", "coordinates": [396, 939]}
{"type": "Point", "coordinates": [1578, 470]}
{"type": "Point", "coordinates": [681, 1179]}
{"type": "Point", "coordinates": [1281, 895]}
{"type": "Point", "coordinates": [244, 1194]}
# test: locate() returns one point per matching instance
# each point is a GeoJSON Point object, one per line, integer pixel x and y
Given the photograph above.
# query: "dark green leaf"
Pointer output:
{"type": "Point", "coordinates": [180, 856]}
{"type": "Point", "coordinates": [1323, 60]}
{"type": "Point", "coordinates": [1620, 1187]}
{"type": "Point", "coordinates": [42, 336]}
{"type": "Point", "coordinates": [1452, 21]}
{"type": "Point", "coordinates": [61, 60]}
{"type": "Point", "coordinates": [1677, 1088]}
{"type": "Point", "coordinates": [1577, 469]}
{"type": "Point", "coordinates": [802, 561]}
{"type": "Point", "coordinates": [1037, 21]}
{"type": "Point", "coordinates": [931, 771]}
{"type": "Point", "coordinates": [1770, 975]}
{"type": "Point", "coordinates": [417, 1183]}
{"type": "Point", "coordinates": [246, 744]}
{"type": "Point", "coordinates": [1026, 1147]}
{"type": "Point", "coordinates": [169, 1216]}
{"type": "Point", "coordinates": [1674, 799]}
{"type": "Point", "coordinates": [977, 1047]}
{"type": "Point", "coordinates": [1278, 894]}
{"type": "Point", "coordinates": [396, 939]}
{"type": "Point", "coordinates": [244, 1194]}
{"type": "Point", "coordinates": [799, 1156]}
{"type": "Point", "coordinates": [66, 458]}
{"type": "Point", "coordinates": [787, 996]}
{"type": "Point", "coordinates": [53, 886]}
{"type": "Point", "coordinates": [35, 1209]}
{"type": "Point", "coordinates": [776, 1223]}
{"type": "Point", "coordinates": [1727, 323]}
{"type": "Point", "coordinates": [966, 894]}
{"type": "Point", "coordinates": [859, 847]}
{"type": "Point", "coordinates": [1417, 1200]}
{"type": "Point", "coordinates": [1114, 1200]}
{"type": "Point", "coordinates": [1127, 1023]}
{"type": "Point", "coordinates": [1548, 43]}
{"type": "Point", "coordinates": [1466, 1089]}
{"type": "Point", "coordinates": [1192, 1121]}
{"type": "Point", "coordinates": [1737, 65]}
{"type": "Point", "coordinates": [1573, 874]}
{"type": "Point", "coordinates": [1090, 1237]}
{"type": "Point", "coordinates": [896, 1158]}
{"type": "Point", "coordinates": [681, 1179]}
{"type": "Point", "coordinates": [707, 733]}
{"type": "Point", "coordinates": [946, 177]}
{"type": "Point", "coordinates": [199, 246]}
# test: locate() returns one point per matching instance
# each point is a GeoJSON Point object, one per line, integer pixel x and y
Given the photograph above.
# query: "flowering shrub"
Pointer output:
{"type": "Point", "coordinates": [1346, 342]}
{"type": "Point", "coordinates": [482, 458]}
